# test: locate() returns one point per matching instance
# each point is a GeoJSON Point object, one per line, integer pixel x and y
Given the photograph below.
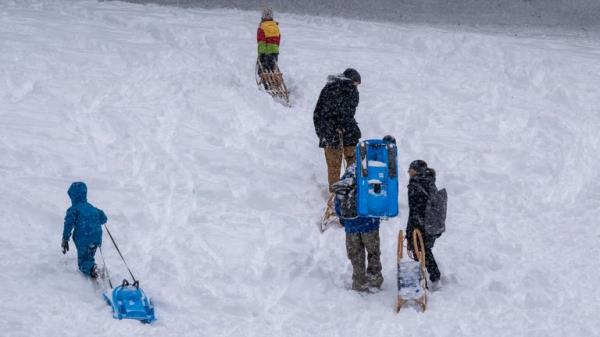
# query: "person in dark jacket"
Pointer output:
{"type": "Point", "coordinates": [420, 185]}
{"type": "Point", "coordinates": [85, 221]}
{"type": "Point", "coordinates": [334, 121]}
{"type": "Point", "coordinates": [362, 240]}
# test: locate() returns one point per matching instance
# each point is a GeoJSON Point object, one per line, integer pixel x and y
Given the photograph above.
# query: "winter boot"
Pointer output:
{"type": "Point", "coordinates": [360, 287]}
{"type": "Point", "coordinates": [94, 272]}
{"type": "Point", "coordinates": [374, 280]}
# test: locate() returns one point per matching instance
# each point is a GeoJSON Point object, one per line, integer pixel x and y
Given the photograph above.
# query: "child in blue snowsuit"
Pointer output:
{"type": "Point", "coordinates": [362, 239]}
{"type": "Point", "coordinates": [85, 221]}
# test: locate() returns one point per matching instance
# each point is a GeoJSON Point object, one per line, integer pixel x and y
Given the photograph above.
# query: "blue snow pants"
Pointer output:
{"type": "Point", "coordinates": [85, 258]}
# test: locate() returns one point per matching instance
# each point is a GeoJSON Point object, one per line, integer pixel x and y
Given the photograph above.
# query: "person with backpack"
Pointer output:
{"type": "Point", "coordinates": [334, 121]}
{"type": "Point", "coordinates": [268, 38]}
{"type": "Point", "coordinates": [427, 212]}
{"type": "Point", "coordinates": [362, 235]}
{"type": "Point", "coordinates": [85, 222]}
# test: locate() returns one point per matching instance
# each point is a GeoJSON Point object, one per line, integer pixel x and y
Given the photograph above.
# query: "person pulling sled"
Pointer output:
{"type": "Point", "coordinates": [336, 127]}
{"type": "Point", "coordinates": [268, 37]}
{"type": "Point", "coordinates": [427, 213]}
{"type": "Point", "coordinates": [85, 222]}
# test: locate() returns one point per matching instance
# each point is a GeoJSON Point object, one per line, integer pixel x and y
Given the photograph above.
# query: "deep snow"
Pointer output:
{"type": "Point", "coordinates": [213, 190]}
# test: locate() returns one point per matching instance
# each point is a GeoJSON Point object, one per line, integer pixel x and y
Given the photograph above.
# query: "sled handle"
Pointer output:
{"type": "Point", "coordinates": [400, 245]}
{"type": "Point", "coordinates": [419, 246]}
{"type": "Point", "coordinates": [344, 161]}
{"type": "Point", "coordinates": [419, 250]}
{"type": "Point", "coordinates": [135, 284]}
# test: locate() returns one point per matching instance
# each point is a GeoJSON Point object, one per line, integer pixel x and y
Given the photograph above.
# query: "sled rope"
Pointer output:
{"type": "Point", "coordinates": [105, 268]}
{"type": "Point", "coordinates": [121, 255]}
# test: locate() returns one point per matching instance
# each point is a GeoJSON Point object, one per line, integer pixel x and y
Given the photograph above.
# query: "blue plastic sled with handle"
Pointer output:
{"type": "Point", "coordinates": [128, 301]}
{"type": "Point", "coordinates": [377, 178]}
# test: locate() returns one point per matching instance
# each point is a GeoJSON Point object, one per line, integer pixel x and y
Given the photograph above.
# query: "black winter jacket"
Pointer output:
{"type": "Point", "coordinates": [419, 188]}
{"type": "Point", "coordinates": [335, 110]}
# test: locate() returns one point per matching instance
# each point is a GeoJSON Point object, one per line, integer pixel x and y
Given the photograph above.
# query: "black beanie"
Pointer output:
{"type": "Point", "coordinates": [418, 165]}
{"type": "Point", "coordinates": [389, 139]}
{"type": "Point", "coordinates": [352, 74]}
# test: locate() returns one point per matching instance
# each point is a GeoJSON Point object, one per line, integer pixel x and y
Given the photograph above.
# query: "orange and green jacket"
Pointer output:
{"type": "Point", "coordinates": [268, 37]}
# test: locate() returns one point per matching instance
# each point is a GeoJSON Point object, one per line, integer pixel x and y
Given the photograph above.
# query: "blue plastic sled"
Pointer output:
{"type": "Point", "coordinates": [128, 301]}
{"type": "Point", "coordinates": [377, 178]}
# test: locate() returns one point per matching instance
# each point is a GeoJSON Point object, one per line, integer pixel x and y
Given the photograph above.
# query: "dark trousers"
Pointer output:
{"type": "Point", "coordinates": [268, 61]}
{"type": "Point", "coordinates": [428, 241]}
{"type": "Point", "coordinates": [85, 258]}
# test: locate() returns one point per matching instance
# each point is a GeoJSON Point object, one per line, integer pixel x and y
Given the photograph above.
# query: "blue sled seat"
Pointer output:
{"type": "Point", "coordinates": [128, 301]}
{"type": "Point", "coordinates": [377, 178]}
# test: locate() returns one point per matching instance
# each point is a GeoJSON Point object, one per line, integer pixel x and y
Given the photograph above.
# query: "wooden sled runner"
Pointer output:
{"type": "Point", "coordinates": [412, 281]}
{"type": "Point", "coordinates": [329, 217]}
{"type": "Point", "coordinates": [272, 81]}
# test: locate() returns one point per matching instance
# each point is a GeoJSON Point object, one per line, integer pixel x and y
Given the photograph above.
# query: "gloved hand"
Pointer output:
{"type": "Point", "coordinates": [342, 187]}
{"type": "Point", "coordinates": [65, 246]}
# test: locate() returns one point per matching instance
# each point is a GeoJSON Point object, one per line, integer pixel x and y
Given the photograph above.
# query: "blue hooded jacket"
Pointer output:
{"type": "Point", "coordinates": [83, 219]}
{"type": "Point", "coordinates": [359, 224]}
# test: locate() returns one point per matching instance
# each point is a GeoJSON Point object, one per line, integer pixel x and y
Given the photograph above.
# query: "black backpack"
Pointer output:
{"type": "Point", "coordinates": [348, 204]}
{"type": "Point", "coordinates": [435, 211]}
{"type": "Point", "coordinates": [345, 193]}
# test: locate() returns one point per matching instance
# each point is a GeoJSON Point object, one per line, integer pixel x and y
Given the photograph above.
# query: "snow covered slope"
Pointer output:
{"type": "Point", "coordinates": [574, 14]}
{"type": "Point", "coordinates": [213, 190]}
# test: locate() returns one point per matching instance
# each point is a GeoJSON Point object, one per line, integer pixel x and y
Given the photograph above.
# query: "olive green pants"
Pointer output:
{"type": "Point", "coordinates": [361, 247]}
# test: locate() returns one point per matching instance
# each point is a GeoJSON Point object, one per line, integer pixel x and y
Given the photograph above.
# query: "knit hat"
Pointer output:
{"type": "Point", "coordinates": [352, 74]}
{"type": "Point", "coordinates": [389, 139]}
{"type": "Point", "coordinates": [418, 165]}
{"type": "Point", "coordinates": [267, 13]}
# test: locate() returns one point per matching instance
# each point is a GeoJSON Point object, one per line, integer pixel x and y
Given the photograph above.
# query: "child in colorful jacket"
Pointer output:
{"type": "Point", "coordinates": [268, 37]}
{"type": "Point", "coordinates": [85, 221]}
{"type": "Point", "coordinates": [362, 239]}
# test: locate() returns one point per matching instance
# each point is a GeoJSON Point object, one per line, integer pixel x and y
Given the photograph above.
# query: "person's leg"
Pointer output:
{"type": "Point", "coordinates": [430, 264]}
{"type": "Point", "coordinates": [81, 255]}
{"type": "Point", "coordinates": [356, 254]}
{"type": "Point", "coordinates": [272, 61]}
{"type": "Point", "coordinates": [350, 155]}
{"type": "Point", "coordinates": [85, 258]}
{"type": "Point", "coordinates": [409, 241]}
{"type": "Point", "coordinates": [333, 157]}
{"type": "Point", "coordinates": [261, 60]}
{"type": "Point", "coordinates": [372, 245]}
{"type": "Point", "coordinates": [263, 67]}
{"type": "Point", "coordinates": [269, 62]}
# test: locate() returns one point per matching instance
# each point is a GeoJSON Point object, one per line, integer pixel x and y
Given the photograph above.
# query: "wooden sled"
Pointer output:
{"type": "Point", "coordinates": [329, 215]}
{"type": "Point", "coordinates": [419, 293]}
{"type": "Point", "coordinates": [272, 82]}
